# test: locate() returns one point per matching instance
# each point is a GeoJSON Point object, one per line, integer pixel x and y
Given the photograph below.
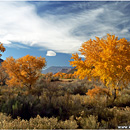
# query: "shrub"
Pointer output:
{"type": "Point", "coordinates": [68, 124]}
{"type": "Point", "coordinates": [23, 106]}
{"type": "Point", "coordinates": [122, 101]}
{"type": "Point", "coordinates": [90, 122]}
{"type": "Point", "coordinates": [6, 122]}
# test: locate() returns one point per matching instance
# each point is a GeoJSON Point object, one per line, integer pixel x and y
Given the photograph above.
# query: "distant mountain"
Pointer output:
{"type": "Point", "coordinates": [65, 70]}
{"type": "Point", "coordinates": [1, 61]}
{"type": "Point", "coordinates": [72, 71]}
{"type": "Point", "coordinates": [55, 69]}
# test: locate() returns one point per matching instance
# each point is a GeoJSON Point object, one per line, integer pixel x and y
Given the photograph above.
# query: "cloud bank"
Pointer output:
{"type": "Point", "coordinates": [51, 53]}
{"type": "Point", "coordinates": [62, 32]}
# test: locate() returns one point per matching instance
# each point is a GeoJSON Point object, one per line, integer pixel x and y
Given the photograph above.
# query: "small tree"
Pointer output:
{"type": "Point", "coordinates": [98, 91]}
{"type": "Point", "coordinates": [23, 71]}
{"type": "Point", "coordinates": [3, 75]}
{"type": "Point", "coordinates": [107, 58]}
{"type": "Point", "coordinates": [2, 48]}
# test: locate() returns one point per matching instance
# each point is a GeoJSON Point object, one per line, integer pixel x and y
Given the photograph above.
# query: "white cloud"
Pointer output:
{"type": "Point", "coordinates": [82, 56]}
{"type": "Point", "coordinates": [125, 31]}
{"type": "Point", "coordinates": [19, 22]}
{"type": "Point", "coordinates": [51, 53]}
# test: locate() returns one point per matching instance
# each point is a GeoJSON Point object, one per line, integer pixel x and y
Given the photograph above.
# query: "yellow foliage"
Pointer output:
{"type": "Point", "coordinates": [2, 48]}
{"type": "Point", "coordinates": [23, 71]}
{"type": "Point", "coordinates": [97, 91]}
{"type": "Point", "coordinates": [65, 76]}
{"type": "Point", "coordinates": [107, 58]}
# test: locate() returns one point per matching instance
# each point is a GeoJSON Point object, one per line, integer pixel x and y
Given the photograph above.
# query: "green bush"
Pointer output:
{"type": "Point", "coordinates": [22, 106]}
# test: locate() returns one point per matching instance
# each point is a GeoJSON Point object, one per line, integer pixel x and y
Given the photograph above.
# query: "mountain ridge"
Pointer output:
{"type": "Point", "coordinates": [1, 60]}
{"type": "Point", "coordinates": [55, 69]}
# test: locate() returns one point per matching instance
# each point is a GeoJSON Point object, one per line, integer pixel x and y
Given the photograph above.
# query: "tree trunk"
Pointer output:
{"type": "Point", "coordinates": [115, 96]}
{"type": "Point", "coordinates": [29, 88]}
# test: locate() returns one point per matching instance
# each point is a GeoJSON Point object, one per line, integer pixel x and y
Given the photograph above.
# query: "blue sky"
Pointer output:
{"type": "Point", "coordinates": [55, 30]}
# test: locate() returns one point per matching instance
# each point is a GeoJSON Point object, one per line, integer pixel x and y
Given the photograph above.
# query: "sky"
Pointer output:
{"type": "Point", "coordinates": [56, 29]}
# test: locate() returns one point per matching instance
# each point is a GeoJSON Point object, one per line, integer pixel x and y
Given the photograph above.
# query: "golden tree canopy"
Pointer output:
{"type": "Point", "coordinates": [2, 48]}
{"type": "Point", "coordinates": [23, 71]}
{"type": "Point", "coordinates": [107, 58]}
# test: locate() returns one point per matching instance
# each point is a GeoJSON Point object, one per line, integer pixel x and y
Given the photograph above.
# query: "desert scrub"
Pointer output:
{"type": "Point", "coordinates": [43, 123]}
{"type": "Point", "coordinates": [6, 122]}
{"type": "Point", "coordinates": [126, 91]}
{"type": "Point", "coordinates": [68, 124]}
{"type": "Point", "coordinates": [114, 117]}
{"type": "Point", "coordinates": [122, 114]}
{"type": "Point", "coordinates": [90, 122]}
{"type": "Point", "coordinates": [123, 100]}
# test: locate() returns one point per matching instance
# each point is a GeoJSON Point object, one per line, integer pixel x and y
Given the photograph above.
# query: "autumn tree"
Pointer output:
{"type": "Point", "coordinates": [98, 91]}
{"type": "Point", "coordinates": [3, 76]}
{"type": "Point", "coordinates": [23, 71]}
{"type": "Point", "coordinates": [58, 74]}
{"type": "Point", "coordinates": [2, 48]}
{"type": "Point", "coordinates": [107, 58]}
{"type": "Point", "coordinates": [48, 76]}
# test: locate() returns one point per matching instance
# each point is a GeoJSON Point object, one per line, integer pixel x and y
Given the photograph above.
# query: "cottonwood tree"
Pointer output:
{"type": "Point", "coordinates": [23, 71]}
{"type": "Point", "coordinates": [2, 48]}
{"type": "Point", "coordinates": [107, 58]}
{"type": "Point", "coordinates": [3, 75]}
